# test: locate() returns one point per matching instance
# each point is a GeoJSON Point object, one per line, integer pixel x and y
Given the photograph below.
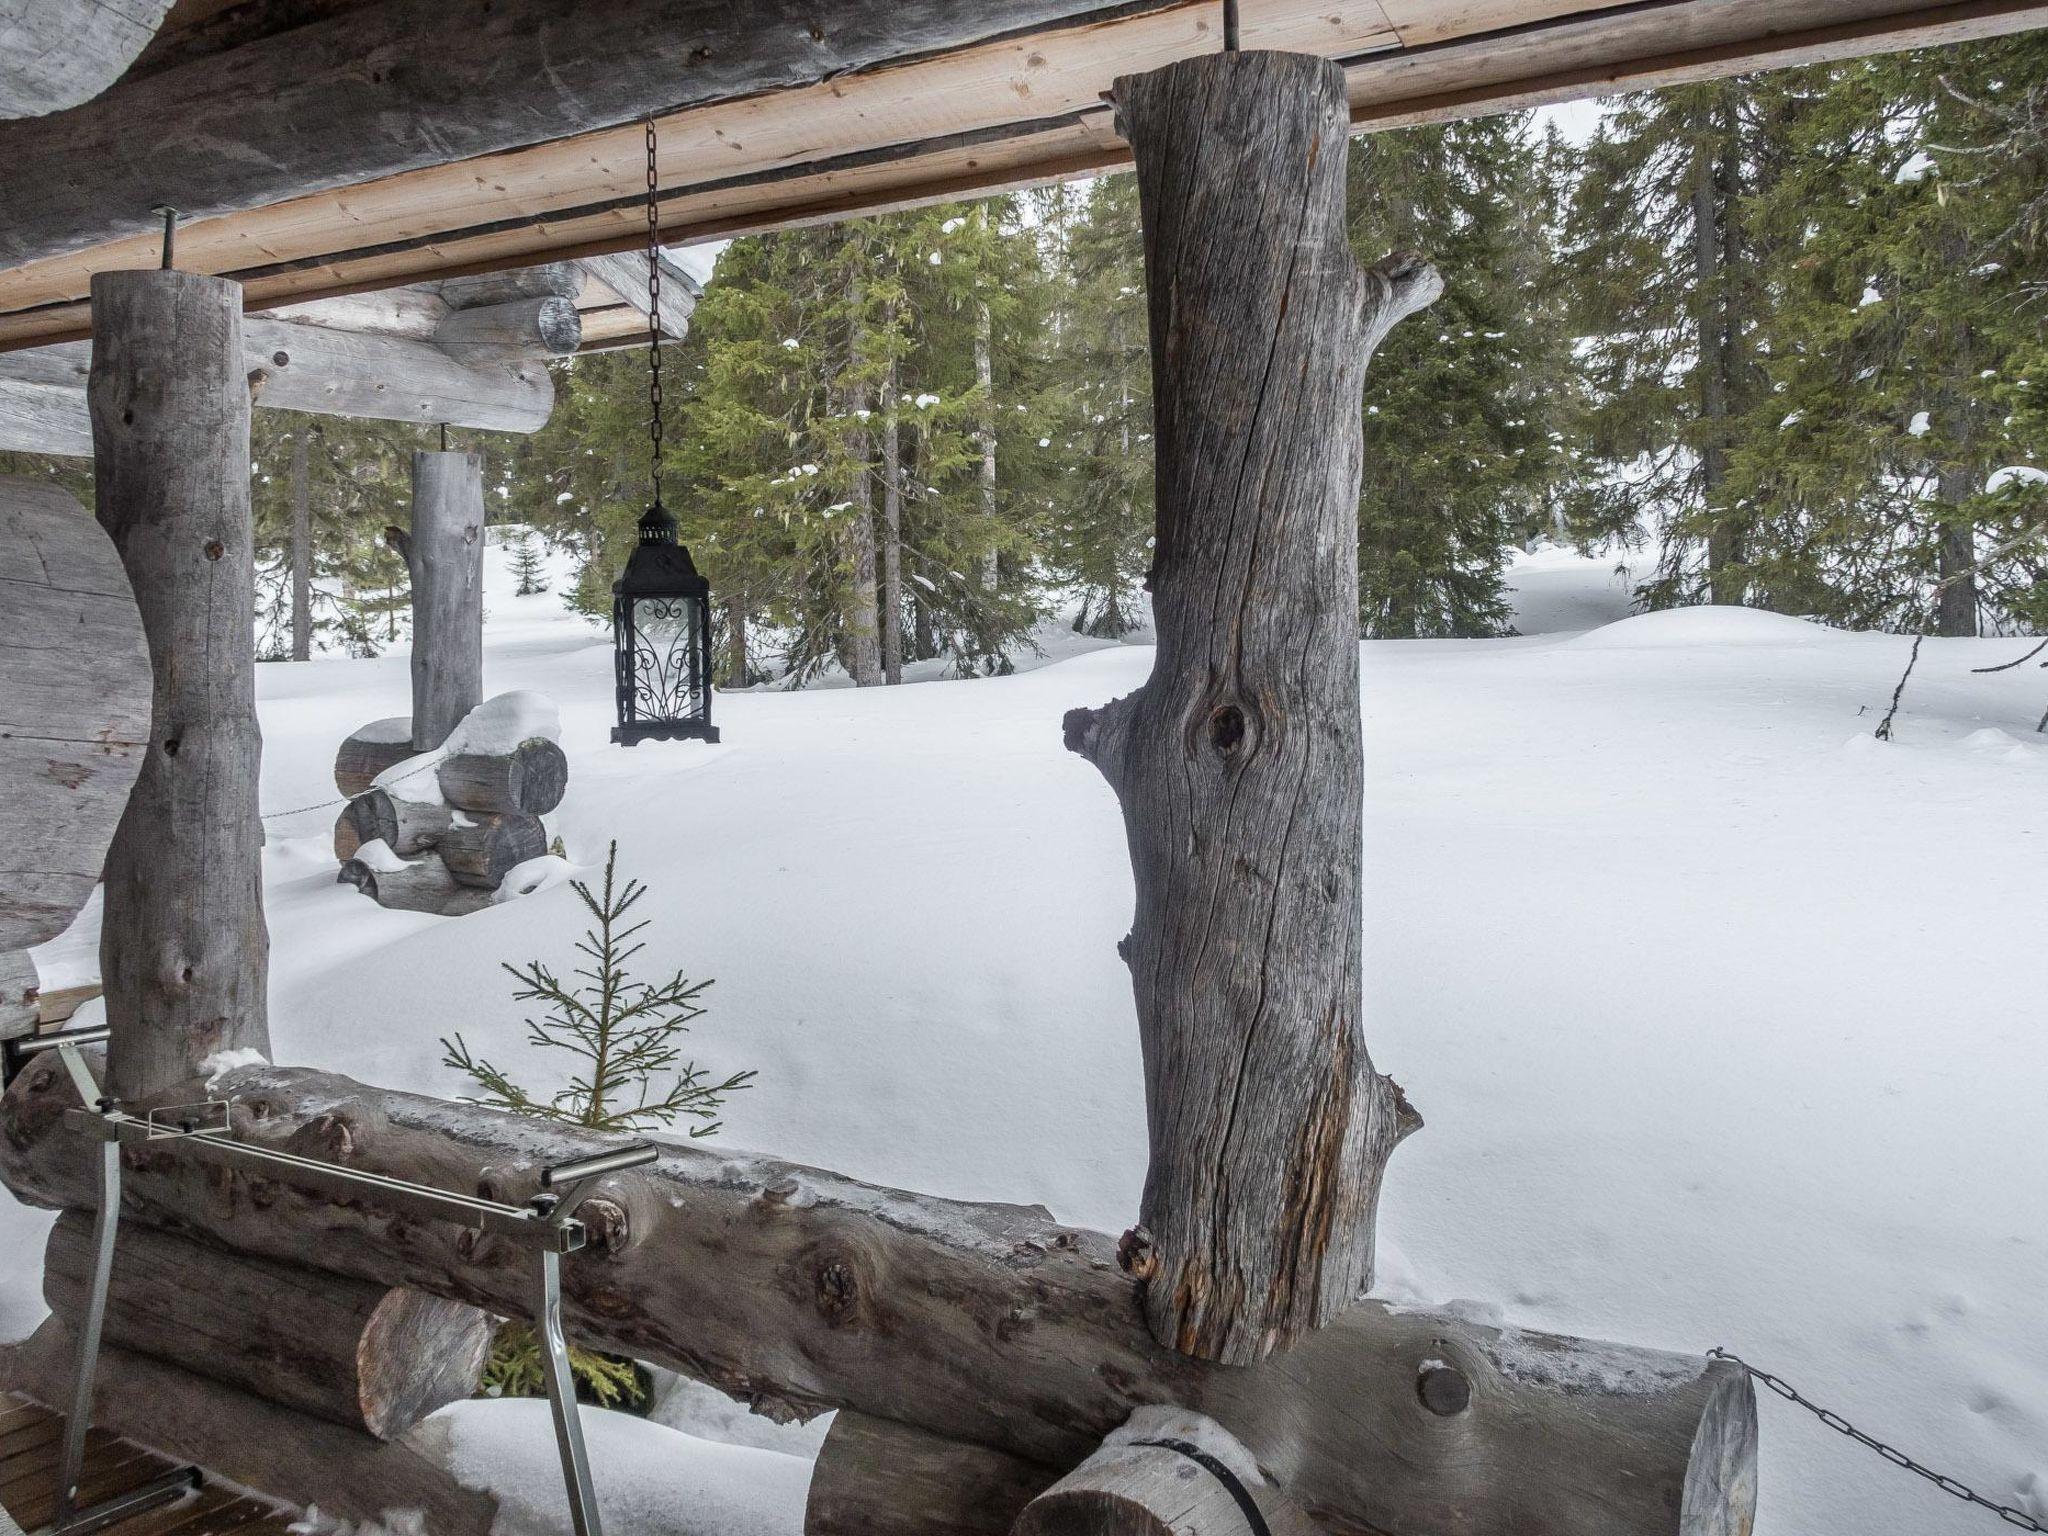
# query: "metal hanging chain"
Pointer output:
{"type": "Point", "coordinates": [1954, 1487]}
{"type": "Point", "coordinates": [653, 313]}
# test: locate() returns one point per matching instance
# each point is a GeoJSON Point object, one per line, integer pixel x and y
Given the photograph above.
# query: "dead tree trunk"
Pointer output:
{"type": "Point", "coordinates": [302, 545]}
{"type": "Point", "coordinates": [1238, 763]}
{"type": "Point", "coordinates": [375, 1358]}
{"type": "Point", "coordinates": [184, 950]}
{"type": "Point", "coordinates": [445, 555]}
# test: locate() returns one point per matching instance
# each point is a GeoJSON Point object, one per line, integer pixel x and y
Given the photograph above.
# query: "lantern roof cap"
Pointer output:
{"type": "Point", "coordinates": [660, 565]}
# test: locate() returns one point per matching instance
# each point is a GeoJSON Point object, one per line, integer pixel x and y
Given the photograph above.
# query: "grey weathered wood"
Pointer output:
{"type": "Point", "coordinates": [20, 994]}
{"type": "Point", "coordinates": [1270, 1128]}
{"type": "Point", "coordinates": [57, 53]}
{"type": "Point", "coordinates": [290, 1456]}
{"type": "Point", "coordinates": [798, 1289]}
{"type": "Point", "coordinates": [444, 551]}
{"type": "Point", "coordinates": [1142, 1482]}
{"type": "Point", "coordinates": [423, 885]}
{"type": "Point", "coordinates": [481, 848]}
{"type": "Point", "coordinates": [369, 751]}
{"type": "Point", "coordinates": [372, 1357]}
{"type": "Point", "coordinates": [183, 947]}
{"type": "Point", "coordinates": [74, 706]}
{"type": "Point", "coordinates": [405, 826]}
{"type": "Point", "coordinates": [530, 779]}
{"type": "Point", "coordinates": [44, 418]}
{"type": "Point", "coordinates": [554, 279]}
{"type": "Point", "coordinates": [878, 1477]}
{"type": "Point", "coordinates": [512, 332]}
{"type": "Point", "coordinates": [295, 367]}
{"type": "Point", "coordinates": [382, 88]}
{"type": "Point", "coordinates": [626, 276]}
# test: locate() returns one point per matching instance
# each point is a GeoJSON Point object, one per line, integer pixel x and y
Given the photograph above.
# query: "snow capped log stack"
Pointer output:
{"type": "Point", "coordinates": [440, 831]}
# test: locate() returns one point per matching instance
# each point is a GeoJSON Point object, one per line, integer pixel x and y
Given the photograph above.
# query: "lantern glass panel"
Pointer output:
{"type": "Point", "coordinates": [666, 681]}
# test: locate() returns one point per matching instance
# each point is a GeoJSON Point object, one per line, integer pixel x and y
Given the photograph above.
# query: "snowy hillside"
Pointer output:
{"type": "Point", "coordinates": [1724, 1017]}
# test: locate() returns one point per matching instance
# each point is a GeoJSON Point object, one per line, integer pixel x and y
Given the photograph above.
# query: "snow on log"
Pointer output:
{"type": "Point", "coordinates": [528, 778]}
{"type": "Point", "coordinates": [799, 1289]}
{"type": "Point", "coordinates": [372, 1357]}
{"type": "Point", "coordinates": [481, 848]}
{"type": "Point", "coordinates": [74, 706]}
{"type": "Point", "coordinates": [291, 1456]}
{"type": "Point", "coordinates": [377, 815]}
{"type": "Point", "coordinates": [1270, 1128]}
{"type": "Point", "coordinates": [55, 54]}
{"type": "Point", "coordinates": [20, 994]}
{"type": "Point", "coordinates": [379, 745]}
{"type": "Point", "coordinates": [184, 950]}
{"type": "Point", "coordinates": [419, 885]}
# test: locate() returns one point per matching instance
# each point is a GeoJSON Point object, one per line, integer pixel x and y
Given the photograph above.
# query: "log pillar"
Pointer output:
{"type": "Point", "coordinates": [1238, 763]}
{"type": "Point", "coordinates": [445, 554]}
{"type": "Point", "coordinates": [184, 952]}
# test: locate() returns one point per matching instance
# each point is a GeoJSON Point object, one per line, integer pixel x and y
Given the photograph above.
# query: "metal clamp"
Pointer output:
{"type": "Point", "coordinates": [546, 1224]}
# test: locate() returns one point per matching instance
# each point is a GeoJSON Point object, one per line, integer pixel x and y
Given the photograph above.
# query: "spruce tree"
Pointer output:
{"type": "Point", "coordinates": [528, 567]}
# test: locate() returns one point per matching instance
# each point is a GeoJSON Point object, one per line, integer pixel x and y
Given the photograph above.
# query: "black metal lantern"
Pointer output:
{"type": "Point", "coordinates": [661, 607]}
{"type": "Point", "coordinates": [661, 629]}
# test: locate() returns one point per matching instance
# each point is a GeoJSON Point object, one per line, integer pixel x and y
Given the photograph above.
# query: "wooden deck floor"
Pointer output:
{"type": "Point", "coordinates": [31, 1438]}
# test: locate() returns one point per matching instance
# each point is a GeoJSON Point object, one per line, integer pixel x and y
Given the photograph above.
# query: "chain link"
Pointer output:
{"type": "Point", "coordinates": [1952, 1486]}
{"type": "Point", "coordinates": [300, 810]}
{"type": "Point", "coordinates": [653, 311]}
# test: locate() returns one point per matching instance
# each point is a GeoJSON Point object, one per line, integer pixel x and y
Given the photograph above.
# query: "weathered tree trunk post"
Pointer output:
{"type": "Point", "coordinates": [184, 950]}
{"type": "Point", "coordinates": [1238, 763]}
{"type": "Point", "coordinates": [445, 555]}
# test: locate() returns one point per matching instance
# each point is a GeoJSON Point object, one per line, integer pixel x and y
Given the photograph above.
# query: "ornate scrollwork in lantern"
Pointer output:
{"type": "Point", "coordinates": [661, 639]}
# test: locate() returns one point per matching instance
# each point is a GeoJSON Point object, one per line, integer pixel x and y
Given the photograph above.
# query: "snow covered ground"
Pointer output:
{"type": "Point", "coordinates": [1723, 1016]}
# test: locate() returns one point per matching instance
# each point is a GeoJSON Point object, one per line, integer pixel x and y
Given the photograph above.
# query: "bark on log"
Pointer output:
{"type": "Point", "coordinates": [20, 994]}
{"type": "Point", "coordinates": [445, 554]}
{"type": "Point", "coordinates": [293, 366]}
{"type": "Point", "coordinates": [74, 707]}
{"type": "Point", "coordinates": [379, 89]}
{"type": "Point", "coordinates": [1165, 1473]}
{"type": "Point", "coordinates": [511, 333]}
{"type": "Point", "coordinates": [371, 1357]}
{"type": "Point", "coordinates": [802, 1289]}
{"type": "Point", "coordinates": [530, 779]}
{"type": "Point", "coordinates": [290, 1456]}
{"type": "Point", "coordinates": [424, 885]}
{"type": "Point", "coordinates": [482, 849]}
{"type": "Point", "coordinates": [57, 53]}
{"type": "Point", "coordinates": [184, 951]}
{"type": "Point", "coordinates": [379, 745]}
{"type": "Point", "coordinates": [1270, 1128]}
{"type": "Point", "coordinates": [405, 826]}
{"type": "Point", "coordinates": [876, 1477]}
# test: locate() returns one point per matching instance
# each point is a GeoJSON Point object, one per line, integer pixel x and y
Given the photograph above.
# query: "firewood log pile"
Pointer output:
{"type": "Point", "coordinates": [440, 831]}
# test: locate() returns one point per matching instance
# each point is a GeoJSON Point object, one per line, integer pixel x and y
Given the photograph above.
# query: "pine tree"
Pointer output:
{"type": "Point", "coordinates": [625, 1032]}
{"type": "Point", "coordinates": [528, 567]}
{"type": "Point", "coordinates": [1460, 403]}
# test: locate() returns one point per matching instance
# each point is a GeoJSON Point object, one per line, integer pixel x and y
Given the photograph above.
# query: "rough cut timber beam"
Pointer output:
{"type": "Point", "coordinates": [624, 275]}
{"type": "Point", "coordinates": [983, 118]}
{"type": "Point", "coordinates": [800, 1289]}
{"type": "Point", "coordinates": [57, 53]}
{"type": "Point", "coordinates": [378, 90]}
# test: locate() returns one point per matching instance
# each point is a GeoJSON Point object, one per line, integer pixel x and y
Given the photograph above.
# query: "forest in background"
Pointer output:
{"type": "Point", "coordinates": [1783, 334]}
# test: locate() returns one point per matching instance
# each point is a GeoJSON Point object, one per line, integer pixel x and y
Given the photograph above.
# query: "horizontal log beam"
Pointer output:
{"type": "Point", "coordinates": [57, 53]}
{"type": "Point", "coordinates": [295, 367]}
{"type": "Point", "coordinates": [394, 86]}
{"type": "Point", "coordinates": [626, 275]}
{"type": "Point", "coordinates": [985, 119]}
{"type": "Point", "coordinates": [800, 1289]}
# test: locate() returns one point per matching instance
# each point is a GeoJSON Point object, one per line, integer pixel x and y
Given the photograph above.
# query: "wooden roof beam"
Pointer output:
{"type": "Point", "coordinates": [57, 53]}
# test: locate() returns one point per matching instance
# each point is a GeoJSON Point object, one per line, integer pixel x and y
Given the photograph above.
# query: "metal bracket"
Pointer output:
{"type": "Point", "coordinates": [205, 1130]}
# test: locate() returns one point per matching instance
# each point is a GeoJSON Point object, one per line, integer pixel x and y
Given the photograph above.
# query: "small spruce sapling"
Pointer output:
{"type": "Point", "coordinates": [526, 565]}
{"type": "Point", "coordinates": [625, 1032]}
